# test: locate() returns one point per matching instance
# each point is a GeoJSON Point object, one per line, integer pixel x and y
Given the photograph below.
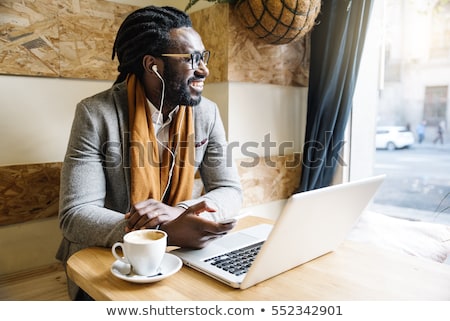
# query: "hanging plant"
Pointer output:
{"type": "Point", "coordinates": [274, 21]}
{"type": "Point", "coordinates": [278, 21]}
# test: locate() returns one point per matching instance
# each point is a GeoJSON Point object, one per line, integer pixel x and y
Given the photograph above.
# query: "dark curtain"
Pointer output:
{"type": "Point", "coordinates": [336, 47]}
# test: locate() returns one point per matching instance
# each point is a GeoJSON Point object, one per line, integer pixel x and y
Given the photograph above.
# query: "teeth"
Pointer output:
{"type": "Point", "coordinates": [197, 84]}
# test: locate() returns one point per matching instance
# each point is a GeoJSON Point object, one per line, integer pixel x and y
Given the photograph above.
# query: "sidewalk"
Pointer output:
{"type": "Point", "coordinates": [428, 145]}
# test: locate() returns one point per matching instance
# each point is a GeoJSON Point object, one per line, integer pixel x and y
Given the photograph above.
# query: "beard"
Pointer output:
{"type": "Point", "coordinates": [178, 91]}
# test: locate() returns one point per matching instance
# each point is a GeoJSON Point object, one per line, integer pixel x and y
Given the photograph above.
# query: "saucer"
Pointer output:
{"type": "Point", "coordinates": [170, 265]}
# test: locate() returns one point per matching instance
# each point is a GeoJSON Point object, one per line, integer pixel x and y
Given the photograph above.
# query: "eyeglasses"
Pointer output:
{"type": "Point", "coordinates": [194, 58]}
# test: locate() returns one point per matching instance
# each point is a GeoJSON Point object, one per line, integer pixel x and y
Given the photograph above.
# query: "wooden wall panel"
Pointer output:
{"type": "Point", "coordinates": [31, 191]}
{"type": "Point", "coordinates": [87, 31]}
{"type": "Point", "coordinates": [212, 25]}
{"type": "Point", "coordinates": [238, 56]}
{"type": "Point", "coordinates": [28, 192]}
{"type": "Point", "coordinates": [268, 179]}
{"type": "Point", "coordinates": [68, 38]}
{"type": "Point", "coordinates": [29, 38]}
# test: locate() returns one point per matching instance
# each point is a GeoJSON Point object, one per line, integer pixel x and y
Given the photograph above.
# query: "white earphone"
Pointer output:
{"type": "Point", "coordinates": [163, 90]}
{"type": "Point", "coordinates": [172, 153]}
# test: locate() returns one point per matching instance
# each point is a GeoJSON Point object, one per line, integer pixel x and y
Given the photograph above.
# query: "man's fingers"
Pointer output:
{"type": "Point", "coordinates": [133, 219]}
{"type": "Point", "coordinates": [196, 208]}
{"type": "Point", "coordinates": [199, 208]}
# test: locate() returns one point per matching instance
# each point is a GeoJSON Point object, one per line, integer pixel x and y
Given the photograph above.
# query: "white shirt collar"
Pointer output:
{"type": "Point", "coordinates": [155, 114]}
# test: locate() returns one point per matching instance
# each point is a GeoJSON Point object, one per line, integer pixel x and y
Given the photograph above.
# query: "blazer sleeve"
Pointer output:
{"type": "Point", "coordinates": [84, 220]}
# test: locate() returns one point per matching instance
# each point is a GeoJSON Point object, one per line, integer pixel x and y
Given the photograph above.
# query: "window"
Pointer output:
{"type": "Point", "coordinates": [435, 107]}
{"type": "Point", "coordinates": [417, 186]}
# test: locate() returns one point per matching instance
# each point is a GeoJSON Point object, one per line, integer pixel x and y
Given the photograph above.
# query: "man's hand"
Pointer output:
{"type": "Point", "coordinates": [192, 231]}
{"type": "Point", "coordinates": [149, 214]}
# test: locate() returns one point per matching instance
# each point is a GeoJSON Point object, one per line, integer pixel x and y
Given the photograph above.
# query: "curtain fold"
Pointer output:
{"type": "Point", "coordinates": [336, 48]}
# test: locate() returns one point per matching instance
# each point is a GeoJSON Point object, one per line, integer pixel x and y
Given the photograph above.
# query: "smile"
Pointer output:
{"type": "Point", "coordinates": [197, 84]}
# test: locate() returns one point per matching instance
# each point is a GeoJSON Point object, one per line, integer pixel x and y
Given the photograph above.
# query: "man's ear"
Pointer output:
{"type": "Point", "coordinates": [147, 62]}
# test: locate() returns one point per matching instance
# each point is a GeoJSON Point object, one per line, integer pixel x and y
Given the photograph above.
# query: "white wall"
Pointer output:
{"type": "Point", "coordinates": [258, 112]}
{"type": "Point", "coordinates": [28, 245]}
{"type": "Point", "coordinates": [36, 114]}
{"type": "Point", "coordinates": [253, 113]}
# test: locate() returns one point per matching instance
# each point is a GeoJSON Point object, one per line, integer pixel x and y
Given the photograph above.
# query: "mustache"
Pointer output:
{"type": "Point", "coordinates": [196, 78]}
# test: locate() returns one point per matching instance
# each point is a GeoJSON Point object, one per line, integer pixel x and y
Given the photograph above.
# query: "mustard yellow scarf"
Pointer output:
{"type": "Point", "coordinates": [150, 176]}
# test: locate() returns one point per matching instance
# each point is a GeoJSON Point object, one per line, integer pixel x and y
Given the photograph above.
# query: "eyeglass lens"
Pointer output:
{"type": "Point", "coordinates": [197, 56]}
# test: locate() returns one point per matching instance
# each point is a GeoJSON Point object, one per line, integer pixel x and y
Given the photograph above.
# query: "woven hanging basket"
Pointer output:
{"type": "Point", "coordinates": [278, 21]}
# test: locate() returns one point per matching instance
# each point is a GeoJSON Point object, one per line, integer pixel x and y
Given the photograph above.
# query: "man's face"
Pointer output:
{"type": "Point", "coordinates": [184, 84]}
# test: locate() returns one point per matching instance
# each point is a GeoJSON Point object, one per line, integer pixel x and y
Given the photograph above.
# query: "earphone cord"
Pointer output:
{"type": "Point", "coordinates": [172, 153]}
{"type": "Point", "coordinates": [161, 103]}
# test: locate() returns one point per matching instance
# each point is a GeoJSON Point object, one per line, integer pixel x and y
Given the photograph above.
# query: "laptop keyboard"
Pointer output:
{"type": "Point", "coordinates": [236, 262]}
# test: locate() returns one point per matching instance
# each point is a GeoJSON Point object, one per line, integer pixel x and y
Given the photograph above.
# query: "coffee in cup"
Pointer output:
{"type": "Point", "coordinates": [143, 250]}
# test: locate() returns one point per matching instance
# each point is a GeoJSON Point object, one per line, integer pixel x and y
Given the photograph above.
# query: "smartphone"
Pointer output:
{"type": "Point", "coordinates": [234, 218]}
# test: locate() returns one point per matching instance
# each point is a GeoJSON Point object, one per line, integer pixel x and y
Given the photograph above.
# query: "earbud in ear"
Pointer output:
{"type": "Point", "coordinates": [155, 68]}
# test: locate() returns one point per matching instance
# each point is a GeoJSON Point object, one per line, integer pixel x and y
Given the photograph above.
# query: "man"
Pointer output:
{"type": "Point", "coordinates": [134, 148]}
{"type": "Point", "coordinates": [440, 132]}
{"type": "Point", "coordinates": [420, 130]}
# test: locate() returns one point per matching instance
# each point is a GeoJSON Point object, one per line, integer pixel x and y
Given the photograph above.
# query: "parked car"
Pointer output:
{"type": "Point", "coordinates": [393, 137]}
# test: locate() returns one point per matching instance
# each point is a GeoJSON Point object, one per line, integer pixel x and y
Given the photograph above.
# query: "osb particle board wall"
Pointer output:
{"type": "Point", "coordinates": [238, 56]}
{"type": "Point", "coordinates": [74, 38]}
{"type": "Point", "coordinates": [31, 191]}
{"type": "Point", "coordinates": [54, 38]}
{"type": "Point", "coordinates": [28, 192]}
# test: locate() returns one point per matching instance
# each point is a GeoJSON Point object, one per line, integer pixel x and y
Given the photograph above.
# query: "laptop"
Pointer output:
{"type": "Point", "coordinates": [310, 225]}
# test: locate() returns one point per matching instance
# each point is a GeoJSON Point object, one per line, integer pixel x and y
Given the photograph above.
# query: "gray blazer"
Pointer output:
{"type": "Point", "coordinates": [95, 177]}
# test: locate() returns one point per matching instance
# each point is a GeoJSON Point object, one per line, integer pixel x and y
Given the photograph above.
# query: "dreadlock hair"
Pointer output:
{"type": "Point", "coordinates": [145, 32]}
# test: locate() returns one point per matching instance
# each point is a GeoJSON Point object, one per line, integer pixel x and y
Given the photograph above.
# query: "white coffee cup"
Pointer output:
{"type": "Point", "coordinates": [143, 250]}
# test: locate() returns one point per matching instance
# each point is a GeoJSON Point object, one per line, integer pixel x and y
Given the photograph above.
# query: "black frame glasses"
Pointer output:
{"type": "Point", "coordinates": [195, 57]}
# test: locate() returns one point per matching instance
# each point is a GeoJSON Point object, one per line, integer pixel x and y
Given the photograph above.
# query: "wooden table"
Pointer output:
{"type": "Point", "coordinates": [355, 271]}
